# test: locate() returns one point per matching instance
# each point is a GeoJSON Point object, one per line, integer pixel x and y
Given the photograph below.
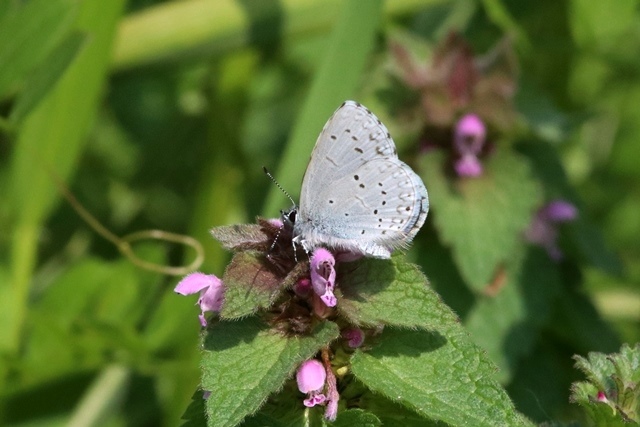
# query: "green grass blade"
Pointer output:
{"type": "Point", "coordinates": [349, 46]}
{"type": "Point", "coordinates": [52, 136]}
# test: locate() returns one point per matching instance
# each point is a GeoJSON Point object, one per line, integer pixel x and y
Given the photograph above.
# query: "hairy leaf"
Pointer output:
{"type": "Point", "coordinates": [441, 376]}
{"type": "Point", "coordinates": [394, 292]}
{"type": "Point", "coordinates": [244, 362]}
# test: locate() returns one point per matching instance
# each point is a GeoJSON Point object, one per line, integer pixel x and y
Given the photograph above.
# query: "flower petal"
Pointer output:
{"type": "Point", "coordinates": [311, 376]}
{"type": "Point", "coordinates": [323, 273]}
{"type": "Point", "coordinates": [193, 283]}
{"type": "Point", "coordinates": [314, 399]}
{"type": "Point", "coordinates": [469, 135]}
{"type": "Point", "coordinates": [468, 166]}
{"type": "Point", "coordinates": [560, 211]}
{"type": "Point", "coordinates": [354, 337]}
{"type": "Point", "coordinates": [211, 298]}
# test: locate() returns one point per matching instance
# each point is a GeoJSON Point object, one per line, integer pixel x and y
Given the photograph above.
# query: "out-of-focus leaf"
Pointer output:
{"type": "Point", "coordinates": [578, 322]}
{"type": "Point", "coordinates": [50, 139]}
{"type": "Point", "coordinates": [92, 307]}
{"type": "Point", "coordinates": [441, 376]}
{"type": "Point", "coordinates": [47, 74]}
{"type": "Point", "coordinates": [28, 34]}
{"type": "Point", "coordinates": [597, 25]}
{"type": "Point", "coordinates": [545, 119]}
{"type": "Point", "coordinates": [543, 397]}
{"type": "Point", "coordinates": [244, 362]}
{"type": "Point", "coordinates": [379, 292]}
{"type": "Point", "coordinates": [507, 324]}
{"type": "Point", "coordinates": [194, 415]}
{"type": "Point", "coordinates": [590, 242]}
{"type": "Point", "coordinates": [548, 169]}
{"type": "Point", "coordinates": [171, 30]}
{"type": "Point", "coordinates": [499, 14]}
{"type": "Point", "coordinates": [482, 218]}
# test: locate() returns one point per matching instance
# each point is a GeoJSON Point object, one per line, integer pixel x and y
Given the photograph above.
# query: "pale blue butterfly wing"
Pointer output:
{"type": "Point", "coordinates": [356, 194]}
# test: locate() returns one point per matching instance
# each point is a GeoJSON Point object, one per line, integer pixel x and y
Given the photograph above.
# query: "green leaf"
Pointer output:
{"type": "Point", "coordinates": [578, 322]}
{"type": "Point", "coordinates": [506, 325]}
{"type": "Point", "coordinates": [540, 385]}
{"type": "Point", "coordinates": [394, 292]}
{"type": "Point", "coordinates": [394, 414]}
{"type": "Point", "coordinates": [590, 241]}
{"type": "Point", "coordinates": [277, 412]}
{"type": "Point", "coordinates": [250, 284]}
{"type": "Point", "coordinates": [244, 362]}
{"type": "Point", "coordinates": [28, 34]}
{"type": "Point", "coordinates": [88, 311]}
{"type": "Point", "coordinates": [482, 218]}
{"type": "Point", "coordinates": [47, 74]}
{"type": "Point", "coordinates": [544, 118]}
{"type": "Point", "coordinates": [441, 376]}
{"type": "Point", "coordinates": [596, 26]}
{"type": "Point", "coordinates": [194, 414]}
{"type": "Point", "coordinates": [356, 418]}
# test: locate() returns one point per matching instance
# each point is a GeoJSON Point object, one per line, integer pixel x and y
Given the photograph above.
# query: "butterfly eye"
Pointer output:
{"type": "Point", "coordinates": [292, 215]}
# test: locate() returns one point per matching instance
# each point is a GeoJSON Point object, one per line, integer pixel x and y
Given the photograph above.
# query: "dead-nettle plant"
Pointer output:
{"type": "Point", "coordinates": [317, 300]}
{"type": "Point", "coordinates": [359, 337]}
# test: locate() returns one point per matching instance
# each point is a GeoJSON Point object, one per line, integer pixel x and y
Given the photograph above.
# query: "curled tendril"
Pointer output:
{"type": "Point", "coordinates": [124, 246]}
{"type": "Point", "coordinates": [124, 243]}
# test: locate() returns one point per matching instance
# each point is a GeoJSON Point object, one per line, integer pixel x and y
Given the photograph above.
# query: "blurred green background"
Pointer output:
{"type": "Point", "coordinates": [161, 114]}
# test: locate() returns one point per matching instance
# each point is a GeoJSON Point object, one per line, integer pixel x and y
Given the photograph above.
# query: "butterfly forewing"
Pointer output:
{"type": "Point", "coordinates": [351, 137]}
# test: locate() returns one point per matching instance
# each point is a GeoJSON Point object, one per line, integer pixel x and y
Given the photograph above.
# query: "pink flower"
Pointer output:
{"type": "Point", "coordinates": [311, 377]}
{"type": "Point", "coordinates": [211, 291]}
{"type": "Point", "coordinates": [602, 397]}
{"type": "Point", "coordinates": [323, 275]}
{"type": "Point", "coordinates": [469, 138]}
{"type": "Point", "coordinates": [302, 288]}
{"type": "Point", "coordinates": [559, 211]}
{"type": "Point", "coordinates": [354, 337]}
{"type": "Point", "coordinates": [469, 166]}
{"type": "Point", "coordinates": [543, 230]}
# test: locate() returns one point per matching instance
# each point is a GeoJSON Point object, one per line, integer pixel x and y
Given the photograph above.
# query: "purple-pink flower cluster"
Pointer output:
{"type": "Point", "coordinates": [468, 141]}
{"type": "Point", "coordinates": [314, 378]}
{"type": "Point", "coordinates": [543, 230]}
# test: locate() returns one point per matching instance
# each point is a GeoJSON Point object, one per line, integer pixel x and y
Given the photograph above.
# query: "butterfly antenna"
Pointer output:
{"type": "Point", "coordinates": [266, 171]}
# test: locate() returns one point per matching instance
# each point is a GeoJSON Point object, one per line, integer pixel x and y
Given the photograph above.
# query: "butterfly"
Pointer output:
{"type": "Point", "coordinates": [356, 195]}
